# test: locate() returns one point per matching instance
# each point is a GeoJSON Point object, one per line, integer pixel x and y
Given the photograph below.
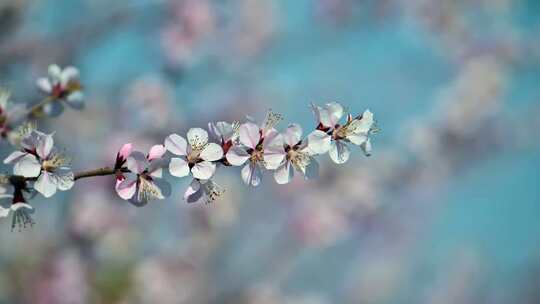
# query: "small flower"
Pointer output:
{"type": "Point", "coordinates": [224, 133]}
{"type": "Point", "coordinates": [261, 146]}
{"type": "Point", "coordinates": [122, 155]}
{"type": "Point", "coordinates": [144, 180]}
{"type": "Point", "coordinates": [196, 155]}
{"type": "Point", "coordinates": [297, 155]}
{"type": "Point", "coordinates": [38, 158]}
{"type": "Point", "coordinates": [8, 113]}
{"type": "Point", "coordinates": [61, 86]}
{"type": "Point", "coordinates": [17, 205]}
{"type": "Point", "coordinates": [206, 191]}
{"type": "Point", "coordinates": [333, 137]}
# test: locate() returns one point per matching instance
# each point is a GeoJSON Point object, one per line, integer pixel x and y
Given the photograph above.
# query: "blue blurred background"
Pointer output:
{"type": "Point", "coordinates": [445, 211]}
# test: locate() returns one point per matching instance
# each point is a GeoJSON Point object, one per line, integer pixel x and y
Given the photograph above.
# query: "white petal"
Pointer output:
{"type": "Point", "coordinates": [237, 156]}
{"type": "Point", "coordinates": [44, 84]}
{"type": "Point", "coordinates": [156, 152]}
{"type": "Point", "coordinates": [69, 74]}
{"type": "Point", "coordinates": [249, 135]}
{"type": "Point", "coordinates": [176, 144]}
{"type": "Point", "coordinates": [55, 72]}
{"type": "Point", "coordinates": [44, 146]}
{"type": "Point", "coordinates": [273, 157]}
{"type": "Point", "coordinates": [137, 162]}
{"type": "Point", "coordinates": [76, 100]}
{"type": "Point", "coordinates": [178, 167]}
{"type": "Point", "coordinates": [203, 170]}
{"type": "Point", "coordinates": [27, 166]}
{"type": "Point", "coordinates": [212, 152]}
{"type": "Point", "coordinates": [339, 152]}
{"type": "Point", "coordinates": [18, 206]}
{"type": "Point", "coordinates": [4, 212]}
{"type": "Point", "coordinates": [366, 147]}
{"type": "Point", "coordinates": [197, 137]}
{"type": "Point", "coordinates": [194, 192]}
{"type": "Point", "coordinates": [334, 111]}
{"type": "Point", "coordinates": [15, 156]}
{"type": "Point", "coordinates": [318, 142]}
{"type": "Point", "coordinates": [357, 139]}
{"type": "Point", "coordinates": [284, 173]}
{"type": "Point", "coordinates": [45, 184]}
{"type": "Point", "coordinates": [63, 178]}
{"type": "Point", "coordinates": [293, 134]}
{"type": "Point", "coordinates": [251, 174]}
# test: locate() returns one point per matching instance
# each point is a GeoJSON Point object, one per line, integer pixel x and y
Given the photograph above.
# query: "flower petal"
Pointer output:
{"type": "Point", "coordinates": [318, 142]}
{"type": "Point", "coordinates": [27, 166]}
{"type": "Point", "coordinates": [4, 212]}
{"type": "Point", "coordinates": [156, 151]}
{"type": "Point", "coordinates": [45, 184]}
{"type": "Point", "coordinates": [137, 162]}
{"type": "Point", "coordinates": [339, 152]}
{"type": "Point", "coordinates": [194, 192]}
{"type": "Point", "coordinates": [55, 72]}
{"type": "Point", "coordinates": [15, 156]}
{"type": "Point", "coordinates": [357, 139]}
{"type": "Point", "coordinates": [237, 156]}
{"type": "Point", "coordinates": [251, 174]}
{"type": "Point", "coordinates": [197, 137]}
{"type": "Point", "coordinates": [44, 146]}
{"type": "Point", "coordinates": [293, 134]}
{"type": "Point", "coordinates": [203, 170]}
{"type": "Point", "coordinates": [127, 187]}
{"type": "Point", "coordinates": [284, 173]}
{"type": "Point", "coordinates": [76, 100]}
{"type": "Point", "coordinates": [44, 85]}
{"type": "Point", "coordinates": [176, 144]}
{"type": "Point", "coordinates": [249, 135]}
{"type": "Point", "coordinates": [178, 167]}
{"type": "Point", "coordinates": [332, 114]}
{"type": "Point", "coordinates": [212, 152]}
{"type": "Point", "coordinates": [63, 178]}
{"type": "Point", "coordinates": [366, 147]}
{"type": "Point", "coordinates": [125, 151]}
{"type": "Point", "coordinates": [69, 74]}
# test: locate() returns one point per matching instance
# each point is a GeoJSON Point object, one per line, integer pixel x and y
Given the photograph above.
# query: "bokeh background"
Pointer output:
{"type": "Point", "coordinates": [445, 211]}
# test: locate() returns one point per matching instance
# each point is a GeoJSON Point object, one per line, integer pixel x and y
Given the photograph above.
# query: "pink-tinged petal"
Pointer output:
{"type": "Point", "coordinates": [156, 151]}
{"type": "Point", "coordinates": [237, 156]}
{"type": "Point", "coordinates": [339, 152]}
{"type": "Point", "coordinates": [212, 152]}
{"type": "Point", "coordinates": [193, 192]}
{"type": "Point", "coordinates": [137, 162]}
{"type": "Point", "coordinates": [27, 166]}
{"type": "Point", "coordinates": [251, 174]}
{"type": "Point", "coordinates": [15, 156]}
{"type": "Point", "coordinates": [44, 146]}
{"type": "Point", "coordinates": [127, 187]}
{"type": "Point", "coordinates": [249, 135]}
{"type": "Point", "coordinates": [318, 142]}
{"type": "Point", "coordinates": [125, 151]}
{"type": "Point", "coordinates": [197, 137]}
{"type": "Point", "coordinates": [203, 170]}
{"type": "Point", "coordinates": [178, 167]}
{"type": "Point", "coordinates": [293, 134]}
{"type": "Point", "coordinates": [284, 173]}
{"type": "Point", "coordinates": [176, 144]}
{"type": "Point", "coordinates": [44, 85]}
{"type": "Point", "coordinates": [273, 139]}
{"type": "Point", "coordinates": [45, 185]}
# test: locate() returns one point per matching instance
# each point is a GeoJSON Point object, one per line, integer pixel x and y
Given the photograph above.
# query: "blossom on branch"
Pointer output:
{"type": "Point", "coordinates": [143, 182]}
{"type": "Point", "coordinates": [39, 159]}
{"type": "Point", "coordinates": [206, 191]}
{"type": "Point", "coordinates": [61, 86]}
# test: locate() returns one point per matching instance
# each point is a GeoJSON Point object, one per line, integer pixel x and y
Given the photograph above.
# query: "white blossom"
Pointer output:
{"type": "Point", "coordinates": [38, 158]}
{"type": "Point", "coordinates": [62, 86]}
{"type": "Point", "coordinates": [206, 191]}
{"type": "Point", "coordinates": [196, 154]}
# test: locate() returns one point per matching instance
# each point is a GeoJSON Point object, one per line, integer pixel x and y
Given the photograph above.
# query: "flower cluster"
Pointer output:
{"type": "Point", "coordinates": [39, 167]}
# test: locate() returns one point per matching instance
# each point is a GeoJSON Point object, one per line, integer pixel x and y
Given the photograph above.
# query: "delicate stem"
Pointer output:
{"type": "Point", "coordinates": [35, 108]}
{"type": "Point", "coordinates": [97, 172]}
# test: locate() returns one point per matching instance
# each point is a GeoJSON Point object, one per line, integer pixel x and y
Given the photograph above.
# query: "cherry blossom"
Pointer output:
{"type": "Point", "coordinates": [38, 158]}
{"type": "Point", "coordinates": [334, 141]}
{"type": "Point", "coordinates": [196, 154]}
{"type": "Point", "coordinates": [226, 134]}
{"type": "Point", "coordinates": [61, 85]}
{"type": "Point", "coordinates": [17, 205]}
{"type": "Point", "coordinates": [261, 147]}
{"type": "Point", "coordinates": [206, 191]}
{"type": "Point", "coordinates": [298, 156]}
{"type": "Point", "coordinates": [8, 113]}
{"type": "Point", "coordinates": [144, 180]}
